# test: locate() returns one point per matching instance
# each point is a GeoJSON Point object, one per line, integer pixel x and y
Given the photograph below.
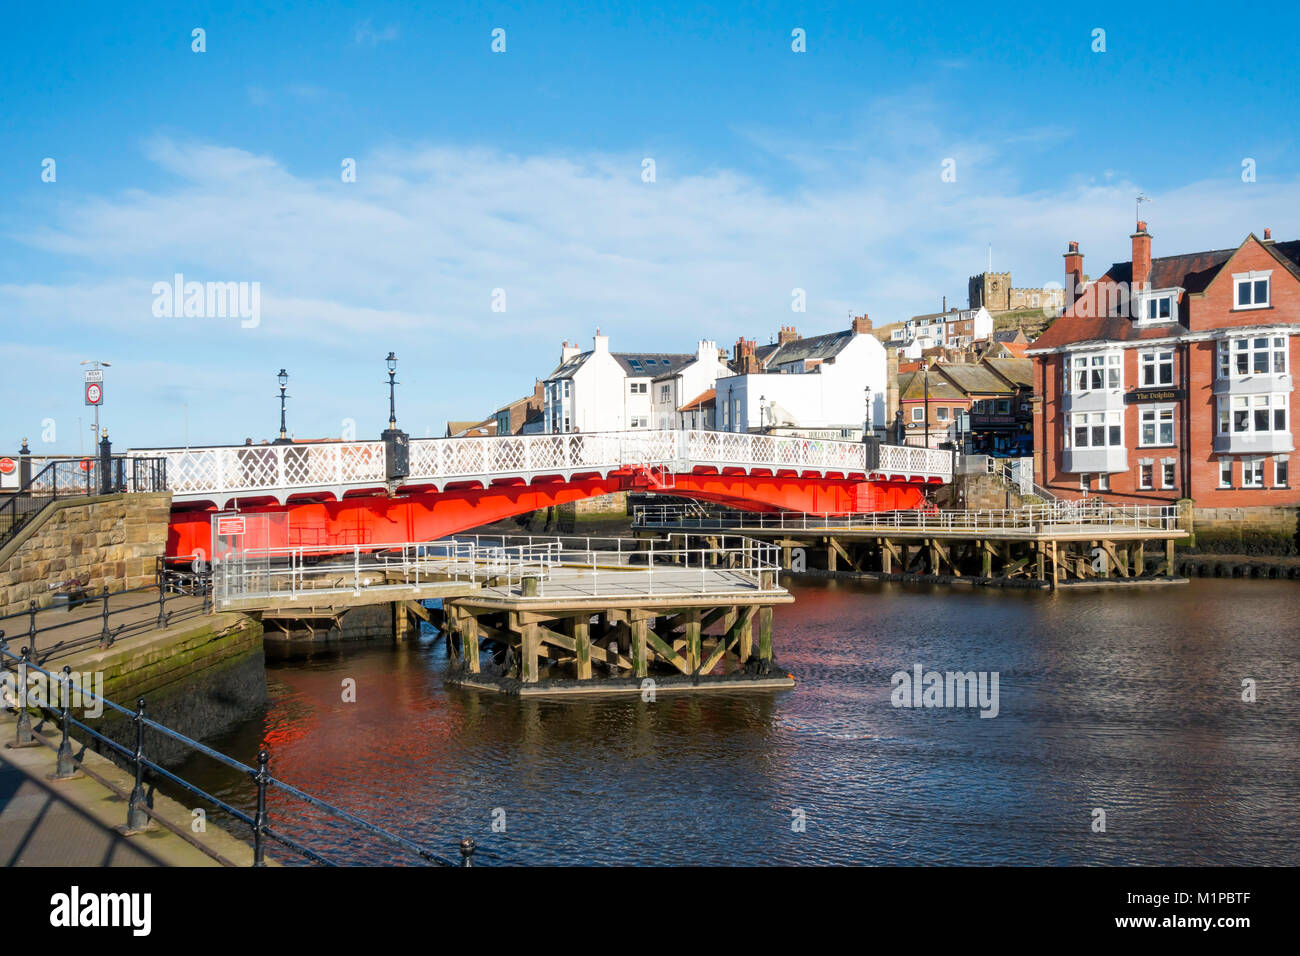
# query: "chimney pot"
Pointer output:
{"type": "Point", "coordinates": [1268, 234]}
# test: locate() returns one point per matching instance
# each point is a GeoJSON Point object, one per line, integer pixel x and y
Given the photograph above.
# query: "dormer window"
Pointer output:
{"type": "Point", "coordinates": [1158, 306]}
{"type": "Point", "coordinates": [1252, 289]}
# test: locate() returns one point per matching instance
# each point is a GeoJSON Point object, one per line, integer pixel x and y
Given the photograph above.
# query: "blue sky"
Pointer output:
{"type": "Point", "coordinates": [522, 171]}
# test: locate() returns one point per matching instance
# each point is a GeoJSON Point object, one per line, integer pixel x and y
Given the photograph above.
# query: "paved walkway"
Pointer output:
{"type": "Point", "coordinates": [46, 822]}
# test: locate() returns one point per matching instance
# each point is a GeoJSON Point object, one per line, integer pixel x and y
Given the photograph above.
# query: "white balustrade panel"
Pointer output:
{"type": "Point", "coordinates": [193, 472]}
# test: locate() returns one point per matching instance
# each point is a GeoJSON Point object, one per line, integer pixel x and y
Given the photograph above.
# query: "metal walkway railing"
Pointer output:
{"type": "Point", "coordinates": [78, 478]}
{"type": "Point", "coordinates": [1088, 513]}
{"type": "Point", "coordinates": [62, 691]}
{"type": "Point", "coordinates": [519, 567]}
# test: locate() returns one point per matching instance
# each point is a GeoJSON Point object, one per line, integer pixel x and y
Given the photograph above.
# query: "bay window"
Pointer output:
{"type": "Point", "coordinates": [1254, 355]}
{"type": "Point", "coordinates": [1094, 429]}
{"type": "Point", "coordinates": [1253, 414]}
{"type": "Point", "coordinates": [1093, 372]}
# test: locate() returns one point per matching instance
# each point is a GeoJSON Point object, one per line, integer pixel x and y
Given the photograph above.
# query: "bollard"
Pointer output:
{"type": "Point", "coordinates": [24, 737]}
{"type": "Point", "coordinates": [105, 639]}
{"type": "Point", "coordinates": [137, 812]}
{"type": "Point", "coordinates": [467, 848]}
{"type": "Point", "coordinates": [67, 767]}
{"type": "Point", "coordinates": [530, 587]}
{"type": "Point", "coordinates": [263, 778]}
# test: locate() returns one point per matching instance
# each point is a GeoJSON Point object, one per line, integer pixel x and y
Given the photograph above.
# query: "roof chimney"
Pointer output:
{"type": "Point", "coordinates": [567, 351]}
{"type": "Point", "coordinates": [600, 343]}
{"type": "Point", "coordinates": [787, 335]}
{"type": "Point", "coordinates": [1268, 234]}
{"type": "Point", "coordinates": [1073, 272]}
{"type": "Point", "coordinates": [1141, 256]}
{"type": "Point", "coordinates": [861, 324]}
{"type": "Point", "coordinates": [746, 360]}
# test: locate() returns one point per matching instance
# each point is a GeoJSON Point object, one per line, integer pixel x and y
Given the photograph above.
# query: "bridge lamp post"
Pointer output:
{"type": "Point", "coordinates": [866, 426]}
{"type": "Point", "coordinates": [392, 391]}
{"type": "Point", "coordinates": [925, 376]}
{"type": "Point", "coordinates": [762, 414]}
{"type": "Point", "coordinates": [283, 379]}
{"type": "Point", "coordinates": [397, 449]}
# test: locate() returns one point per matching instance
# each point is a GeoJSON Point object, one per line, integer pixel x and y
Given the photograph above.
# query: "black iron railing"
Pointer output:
{"type": "Point", "coordinates": [140, 814]}
{"type": "Point", "coordinates": [173, 580]}
{"type": "Point", "coordinates": [78, 478]}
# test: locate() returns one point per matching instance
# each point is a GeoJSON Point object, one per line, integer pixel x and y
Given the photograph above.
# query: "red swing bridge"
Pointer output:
{"type": "Point", "coordinates": [375, 494]}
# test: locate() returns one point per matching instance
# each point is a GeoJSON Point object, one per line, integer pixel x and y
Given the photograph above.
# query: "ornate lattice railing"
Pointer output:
{"type": "Point", "coordinates": [225, 472]}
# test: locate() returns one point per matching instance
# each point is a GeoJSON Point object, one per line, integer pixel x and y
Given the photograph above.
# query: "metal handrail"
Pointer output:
{"type": "Point", "coordinates": [162, 590]}
{"type": "Point", "coordinates": [138, 810]}
{"type": "Point", "coordinates": [79, 477]}
{"type": "Point", "coordinates": [1027, 518]}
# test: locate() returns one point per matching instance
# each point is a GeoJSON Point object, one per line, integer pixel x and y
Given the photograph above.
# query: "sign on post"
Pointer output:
{"type": "Point", "coordinates": [94, 393]}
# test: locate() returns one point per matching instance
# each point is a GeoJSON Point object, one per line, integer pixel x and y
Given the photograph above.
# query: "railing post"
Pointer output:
{"type": "Point", "coordinates": [67, 767]}
{"type": "Point", "coordinates": [137, 811]}
{"type": "Point", "coordinates": [467, 848]}
{"type": "Point", "coordinates": [31, 625]}
{"type": "Point", "coordinates": [105, 465]}
{"type": "Point", "coordinates": [105, 638]}
{"type": "Point", "coordinates": [263, 779]}
{"type": "Point", "coordinates": [24, 737]}
{"type": "Point", "coordinates": [162, 602]}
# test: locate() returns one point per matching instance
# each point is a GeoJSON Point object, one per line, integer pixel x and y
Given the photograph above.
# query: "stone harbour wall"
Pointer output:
{"type": "Point", "coordinates": [1261, 530]}
{"type": "Point", "coordinates": [106, 540]}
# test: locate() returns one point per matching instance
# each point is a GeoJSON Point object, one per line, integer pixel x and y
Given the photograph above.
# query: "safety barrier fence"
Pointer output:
{"type": "Point", "coordinates": [1089, 513]}
{"type": "Point", "coordinates": [56, 695]}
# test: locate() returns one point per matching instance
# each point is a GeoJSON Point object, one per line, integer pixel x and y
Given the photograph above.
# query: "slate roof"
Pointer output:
{"type": "Point", "coordinates": [911, 386]}
{"type": "Point", "coordinates": [635, 364]}
{"type": "Point", "coordinates": [814, 348]}
{"type": "Point", "coordinates": [1192, 271]}
{"type": "Point", "coordinates": [971, 379]}
{"type": "Point", "coordinates": [1019, 371]}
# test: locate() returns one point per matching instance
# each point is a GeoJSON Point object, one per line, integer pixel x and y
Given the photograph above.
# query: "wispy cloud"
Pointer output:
{"type": "Point", "coordinates": [408, 256]}
{"type": "Point", "coordinates": [365, 34]}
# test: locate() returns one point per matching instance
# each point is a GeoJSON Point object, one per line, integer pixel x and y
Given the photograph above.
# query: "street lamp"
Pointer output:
{"type": "Point", "coordinates": [762, 413]}
{"type": "Point", "coordinates": [392, 394]}
{"type": "Point", "coordinates": [866, 427]}
{"type": "Point", "coordinates": [397, 450]}
{"type": "Point", "coordinates": [283, 379]}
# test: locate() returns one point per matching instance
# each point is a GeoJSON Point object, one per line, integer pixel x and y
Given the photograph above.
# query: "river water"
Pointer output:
{"type": "Point", "coordinates": [1126, 702]}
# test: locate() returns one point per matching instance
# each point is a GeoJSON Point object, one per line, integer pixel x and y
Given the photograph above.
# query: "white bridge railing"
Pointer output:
{"type": "Point", "coordinates": [226, 472]}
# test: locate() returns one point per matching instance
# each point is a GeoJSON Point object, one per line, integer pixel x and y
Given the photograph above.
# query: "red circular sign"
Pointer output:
{"type": "Point", "coordinates": [7, 466]}
{"type": "Point", "coordinates": [94, 394]}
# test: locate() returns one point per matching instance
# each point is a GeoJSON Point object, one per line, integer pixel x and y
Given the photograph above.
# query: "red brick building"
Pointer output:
{"type": "Point", "coordinates": [1171, 378]}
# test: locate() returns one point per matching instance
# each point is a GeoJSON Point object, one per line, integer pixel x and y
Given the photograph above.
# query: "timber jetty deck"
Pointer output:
{"type": "Point", "coordinates": [1050, 545]}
